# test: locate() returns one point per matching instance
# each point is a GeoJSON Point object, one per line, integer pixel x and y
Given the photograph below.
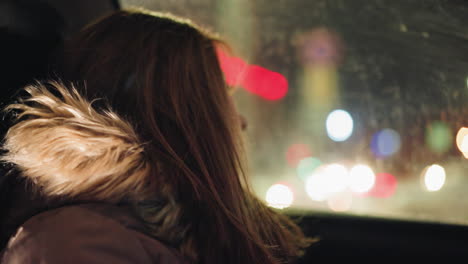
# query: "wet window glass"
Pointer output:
{"type": "Point", "coordinates": [353, 107]}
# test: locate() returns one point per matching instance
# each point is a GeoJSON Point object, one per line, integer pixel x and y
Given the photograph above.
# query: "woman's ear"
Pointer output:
{"type": "Point", "coordinates": [243, 122]}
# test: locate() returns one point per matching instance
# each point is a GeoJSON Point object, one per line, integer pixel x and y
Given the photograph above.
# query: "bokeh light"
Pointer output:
{"type": "Point", "coordinates": [307, 166]}
{"type": "Point", "coordinates": [279, 196]}
{"type": "Point", "coordinates": [326, 181]}
{"type": "Point", "coordinates": [361, 178]}
{"type": "Point", "coordinates": [234, 68]}
{"type": "Point", "coordinates": [339, 125]}
{"type": "Point", "coordinates": [462, 141]}
{"type": "Point", "coordinates": [385, 143]}
{"type": "Point", "coordinates": [267, 84]}
{"type": "Point", "coordinates": [297, 152]}
{"type": "Point", "coordinates": [341, 202]}
{"type": "Point", "coordinates": [439, 137]}
{"type": "Point", "coordinates": [320, 46]}
{"type": "Point", "coordinates": [321, 87]}
{"type": "Point", "coordinates": [434, 177]}
{"type": "Point", "coordinates": [338, 177]}
{"type": "Point", "coordinates": [384, 187]}
{"type": "Point", "coordinates": [316, 186]}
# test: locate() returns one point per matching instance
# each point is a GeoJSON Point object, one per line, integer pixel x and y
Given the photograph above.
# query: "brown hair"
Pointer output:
{"type": "Point", "coordinates": [161, 73]}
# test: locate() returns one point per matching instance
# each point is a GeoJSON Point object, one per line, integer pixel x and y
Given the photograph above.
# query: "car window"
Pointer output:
{"type": "Point", "coordinates": [354, 107]}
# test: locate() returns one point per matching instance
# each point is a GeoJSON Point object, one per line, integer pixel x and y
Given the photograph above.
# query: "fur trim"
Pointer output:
{"type": "Point", "coordinates": [71, 150]}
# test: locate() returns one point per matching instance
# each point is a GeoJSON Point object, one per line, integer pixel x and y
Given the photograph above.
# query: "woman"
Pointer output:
{"type": "Point", "coordinates": [141, 161]}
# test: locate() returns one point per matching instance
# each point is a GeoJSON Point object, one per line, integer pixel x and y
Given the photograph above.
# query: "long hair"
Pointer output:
{"type": "Point", "coordinates": [161, 74]}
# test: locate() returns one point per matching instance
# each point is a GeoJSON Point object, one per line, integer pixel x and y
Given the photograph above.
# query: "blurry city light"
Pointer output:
{"type": "Point", "coordinates": [385, 143]}
{"type": "Point", "coordinates": [338, 177]}
{"type": "Point", "coordinates": [339, 125]}
{"type": "Point", "coordinates": [439, 137]}
{"type": "Point", "coordinates": [462, 141]}
{"type": "Point", "coordinates": [320, 47]}
{"type": "Point", "coordinates": [307, 166]}
{"type": "Point", "coordinates": [341, 202]}
{"type": "Point", "coordinates": [234, 68]}
{"type": "Point", "coordinates": [317, 186]}
{"type": "Point", "coordinates": [279, 196]}
{"type": "Point", "coordinates": [255, 79]}
{"type": "Point", "coordinates": [265, 83]}
{"type": "Point", "coordinates": [384, 187]}
{"type": "Point", "coordinates": [361, 179]}
{"type": "Point", "coordinates": [434, 177]}
{"type": "Point", "coordinates": [464, 146]}
{"type": "Point", "coordinates": [326, 181]}
{"type": "Point", "coordinates": [297, 152]}
{"type": "Point", "coordinates": [320, 88]}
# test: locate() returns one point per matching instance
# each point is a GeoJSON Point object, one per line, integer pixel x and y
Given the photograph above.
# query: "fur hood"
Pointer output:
{"type": "Point", "coordinates": [70, 149]}
{"type": "Point", "coordinates": [74, 152]}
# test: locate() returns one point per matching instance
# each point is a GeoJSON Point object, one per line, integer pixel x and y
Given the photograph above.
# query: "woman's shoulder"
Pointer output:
{"type": "Point", "coordinates": [87, 233]}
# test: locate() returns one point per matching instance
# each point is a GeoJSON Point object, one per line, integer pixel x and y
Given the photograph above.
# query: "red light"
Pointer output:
{"type": "Point", "coordinates": [265, 83]}
{"type": "Point", "coordinates": [233, 68]}
{"type": "Point", "coordinates": [296, 153]}
{"type": "Point", "coordinates": [384, 187]}
{"type": "Point", "coordinates": [260, 81]}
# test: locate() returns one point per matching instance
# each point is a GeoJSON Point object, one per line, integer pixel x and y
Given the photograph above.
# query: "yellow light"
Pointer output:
{"type": "Point", "coordinates": [462, 141]}
{"type": "Point", "coordinates": [279, 196]}
{"type": "Point", "coordinates": [434, 177]}
{"type": "Point", "coordinates": [361, 179]}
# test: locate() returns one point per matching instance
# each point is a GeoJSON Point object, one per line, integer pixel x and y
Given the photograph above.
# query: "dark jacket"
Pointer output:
{"type": "Point", "coordinates": [69, 151]}
{"type": "Point", "coordinates": [86, 233]}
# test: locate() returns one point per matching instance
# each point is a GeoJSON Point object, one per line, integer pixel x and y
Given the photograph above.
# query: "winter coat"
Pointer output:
{"type": "Point", "coordinates": [86, 233]}
{"type": "Point", "coordinates": [71, 151]}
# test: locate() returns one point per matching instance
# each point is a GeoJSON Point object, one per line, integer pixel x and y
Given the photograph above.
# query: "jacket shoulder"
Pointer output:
{"type": "Point", "coordinates": [76, 234]}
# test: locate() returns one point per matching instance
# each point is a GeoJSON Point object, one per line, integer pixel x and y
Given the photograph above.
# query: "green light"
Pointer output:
{"type": "Point", "coordinates": [307, 166]}
{"type": "Point", "coordinates": [439, 137]}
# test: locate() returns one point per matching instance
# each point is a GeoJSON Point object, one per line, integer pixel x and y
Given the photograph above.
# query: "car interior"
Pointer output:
{"type": "Point", "coordinates": [356, 111]}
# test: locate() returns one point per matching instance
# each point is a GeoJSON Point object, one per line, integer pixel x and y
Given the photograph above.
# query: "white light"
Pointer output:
{"type": "Point", "coordinates": [337, 176]}
{"type": "Point", "coordinates": [361, 179]}
{"type": "Point", "coordinates": [464, 144]}
{"type": "Point", "coordinates": [339, 125]}
{"type": "Point", "coordinates": [316, 186]}
{"type": "Point", "coordinates": [326, 181]}
{"type": "Point", "coordinates": [279, 196]}
{"type": "Point", "coordinates": [462, 141]}
{"type": "Point", "coordinates": [434, 178]}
